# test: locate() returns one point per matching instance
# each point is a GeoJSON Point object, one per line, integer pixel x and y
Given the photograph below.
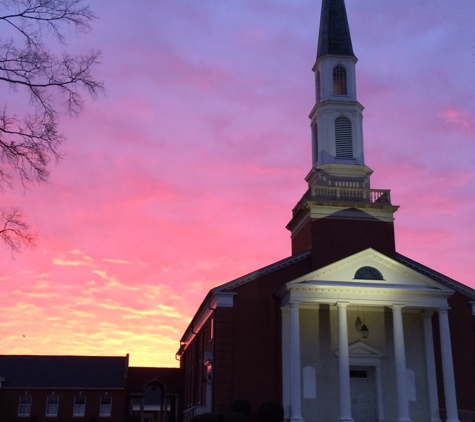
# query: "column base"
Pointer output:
{"type": "Point", "coordinates": [346, 419]}
{"type": "Point", "coordinates": [452, 420]}
{"type": "Point", "coordinates": [296, 419]}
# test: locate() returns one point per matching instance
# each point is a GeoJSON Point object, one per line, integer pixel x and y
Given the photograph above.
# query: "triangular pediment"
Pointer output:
{"type": "Point", "coordinates": [352, 270]}
{"type": "Point", "coordinates": [363, 354]}
{"type": "Point", "coordinates": [370, 278]}
{"type": "Point", "coordinates": [360, 349]}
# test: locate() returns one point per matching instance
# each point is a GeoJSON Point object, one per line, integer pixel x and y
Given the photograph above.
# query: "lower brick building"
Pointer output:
{"type": "Point", "coordinates": [63, 388]}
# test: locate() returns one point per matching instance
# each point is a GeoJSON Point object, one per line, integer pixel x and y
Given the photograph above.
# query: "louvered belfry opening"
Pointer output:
{"type": "Point", "coordinates": [339, 81]}
{"type": "Point", "coordinates": [343, 138]}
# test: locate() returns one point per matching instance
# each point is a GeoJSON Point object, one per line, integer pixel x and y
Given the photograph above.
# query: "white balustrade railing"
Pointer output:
{"type": "Point", "coordinates": [343, 194]}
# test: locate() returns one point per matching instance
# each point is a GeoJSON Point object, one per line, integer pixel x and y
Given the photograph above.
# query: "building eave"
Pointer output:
{"type": "Point", "coordinates": [446, 281]}
{"type": "Point", "coordinates": [219, 296]}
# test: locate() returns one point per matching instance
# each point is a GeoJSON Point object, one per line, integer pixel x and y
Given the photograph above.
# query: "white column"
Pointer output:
{"type": "Point", "coordinates": [286, 362]}
{"type": "Point", "coordinates": [430, 366]}
{"type": "Point", "coordinates": [343, 364]}
{"type": "Point", "coordinates": [295, 383]}
{"type": "Point", "coordinates": [400, 355]}
{"type": "Point", "coordinates": [142, 405]}
{"type": "Point", "coordinates": [448, 367]}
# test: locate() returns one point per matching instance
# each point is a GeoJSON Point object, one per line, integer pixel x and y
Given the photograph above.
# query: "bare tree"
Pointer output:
{"type": "Point", "coordinates": [49, 82]}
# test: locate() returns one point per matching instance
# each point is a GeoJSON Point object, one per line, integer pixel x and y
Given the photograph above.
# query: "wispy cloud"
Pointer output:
{"type": "Point", "coordinates": [184, 176]}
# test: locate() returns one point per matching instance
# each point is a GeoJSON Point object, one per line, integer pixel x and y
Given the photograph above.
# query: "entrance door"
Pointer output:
{"type": "Point", "coordinates": [362, 395]}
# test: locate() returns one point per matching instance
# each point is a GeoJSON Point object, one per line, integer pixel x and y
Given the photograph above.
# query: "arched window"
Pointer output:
{"type": "Point", "coordinates": [339, 81]}
{"type": "Point", "coordinates": [343, 138]}
{"type": "Point", "coordinates": [368, 273]}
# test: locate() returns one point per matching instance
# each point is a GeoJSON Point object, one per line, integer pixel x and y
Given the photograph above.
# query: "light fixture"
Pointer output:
{"type": "Point", "coordinates": [358, 324]}
{"type": "Point", "coordinates": [364, 331]}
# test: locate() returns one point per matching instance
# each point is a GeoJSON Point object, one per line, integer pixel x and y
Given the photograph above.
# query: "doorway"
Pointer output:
{"type": "Point", "coordinates": [362, 394]}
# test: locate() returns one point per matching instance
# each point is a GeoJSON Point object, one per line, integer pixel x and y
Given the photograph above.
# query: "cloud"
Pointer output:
{"type": "Point", "coordinates": [116, 261]}
{"type": "Point", "coordinates": [60, 261]}
{"type": "Point", "coordinates": [184, 175]}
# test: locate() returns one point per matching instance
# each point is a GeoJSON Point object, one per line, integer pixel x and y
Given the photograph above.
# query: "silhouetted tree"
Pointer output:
{"type": "Point", "coordinates": [32, 33]}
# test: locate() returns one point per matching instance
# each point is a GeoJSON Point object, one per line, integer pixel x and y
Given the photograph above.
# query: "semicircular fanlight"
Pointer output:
{"type": "Point", "coordinates": [368, 273]}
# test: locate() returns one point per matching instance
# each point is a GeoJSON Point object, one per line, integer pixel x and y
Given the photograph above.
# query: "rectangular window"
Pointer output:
{"type": "Point", "coordinates": [106, 406]}
{"type": "Point", "coordinates": [52, 403]}
{"type": "Point", "coordinates": [79, 408]}
{"type": "Point", "coordinates": [25, 406]}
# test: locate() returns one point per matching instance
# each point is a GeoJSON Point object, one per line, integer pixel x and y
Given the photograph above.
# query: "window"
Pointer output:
{"type": "Point", "coordinates": [25, 406]}
{"type": "Point", "coordinates": [339, 81]}
{"type": "Point", "coordinates": [79, 408]}
{"type": "Point", "coordinates": [309, 382]}
{"type": "Point", "coordinates": [368, 273]}
{"type": "Point", "coordinates": [358, 374]}
{"type": "Point", "coordinates": [52, 403]}
{"type": "Point", "coordinates": [343, 138]}
{"type": "Point", "coordinates": [106, 406]}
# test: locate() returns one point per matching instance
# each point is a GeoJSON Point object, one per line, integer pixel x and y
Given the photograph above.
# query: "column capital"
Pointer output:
{"type": "Point", "coordinates": [427, 313]}
{"type": "Point", "coordinates": [443, 310]}
{"type": "Point", "coordinates": [398, 306]}
{"type": "Point", "coordinates": [294, 304]}
{"type": "Point", "coordinates": [342, 304]}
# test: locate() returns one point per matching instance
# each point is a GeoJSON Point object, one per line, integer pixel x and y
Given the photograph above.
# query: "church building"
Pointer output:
{"type": "Point", "coordinates": [346, 328]}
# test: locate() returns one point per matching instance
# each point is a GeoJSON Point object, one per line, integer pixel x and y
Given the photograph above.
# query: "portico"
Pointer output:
{"type": "Point", "coordinates": [319, 312]}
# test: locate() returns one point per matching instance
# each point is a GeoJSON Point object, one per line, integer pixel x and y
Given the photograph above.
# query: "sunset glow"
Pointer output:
{"type": "Point", "coordinates": [183, 176]}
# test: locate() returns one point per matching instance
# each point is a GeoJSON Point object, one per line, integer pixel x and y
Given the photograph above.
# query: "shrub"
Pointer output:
{"type": "Point", "coordinates": [243, 407]}
{"type": "Point", "coordinates": [271, 412]}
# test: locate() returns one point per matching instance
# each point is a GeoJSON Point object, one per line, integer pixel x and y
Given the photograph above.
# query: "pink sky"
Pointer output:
{"type": "Point", "coordinates": [184, 175]}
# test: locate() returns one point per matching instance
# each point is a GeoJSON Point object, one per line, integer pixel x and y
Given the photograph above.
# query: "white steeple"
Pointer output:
{"type": "Point", "coordinates": [337, 132]}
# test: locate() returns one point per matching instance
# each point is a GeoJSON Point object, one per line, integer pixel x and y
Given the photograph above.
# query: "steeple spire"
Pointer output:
{"type": "Point", "coordinates": [339, 212]}
{"type": "Point", "coordinates": [337, 133]}
{"type": "Point", "coordinates": [334, 36]}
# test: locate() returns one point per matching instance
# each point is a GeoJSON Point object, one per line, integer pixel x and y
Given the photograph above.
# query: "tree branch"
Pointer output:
{"type": "Point", "coordinates": [53, 84]}
{"type": "Point", "coordinates": [14, 231]}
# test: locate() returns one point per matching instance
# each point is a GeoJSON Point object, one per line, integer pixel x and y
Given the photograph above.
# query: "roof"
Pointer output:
{"type": "Point", "coordinates": [434, 275]}
{"type": "Point", "coordinates": [21, 371]}
{"type": "Point", "coordinates": [205, 308]}
{"type": "Point", "coordinates": [334, 36]}
{"type": "Point", "coordinates": [263, 271]}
